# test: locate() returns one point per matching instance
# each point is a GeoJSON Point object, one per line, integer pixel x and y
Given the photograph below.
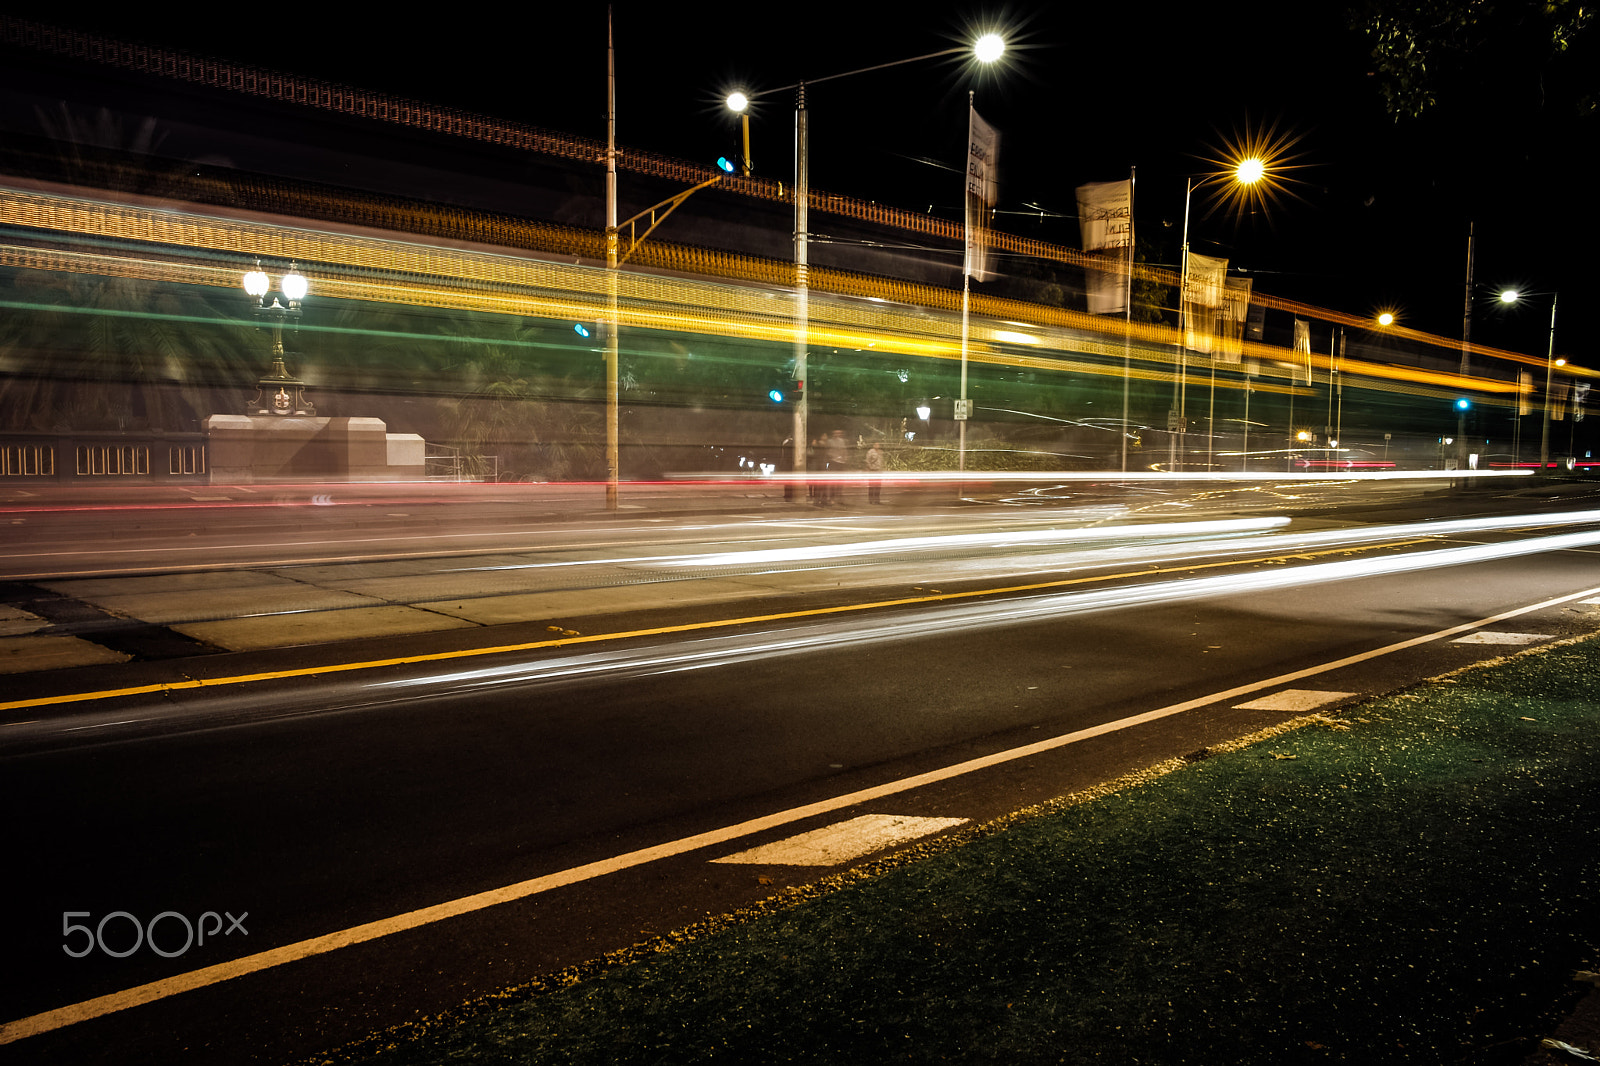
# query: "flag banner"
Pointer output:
{"type": "Point", "coordinates": [1524, 391]}
{"type": "Point", "coordinates": [1105, 283]}
{"type": "Point", "coordinates": [1235, 306]}
{"type": "Point", "coordinates": [1558, 402]}
{"type": "Point", "coordinates": [1580, 396]}
{"type": "Point", "coordinates": [983, 149]}
{"type": "Point", "coordinates": [1302, 348]}
{"type": "Point", "coordinates": [1105, 222]}
{"type": "Point", "coordinates": [1105, 213]}
{"type": "Point", "coordinates": [1202, 301]}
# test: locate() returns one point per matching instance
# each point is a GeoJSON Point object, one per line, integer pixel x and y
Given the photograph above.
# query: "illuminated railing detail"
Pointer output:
{"type": "Point", "coordinates": [27, 460]}
{"type": "Point", "coordinates": [186, 459]}
{"type": "Point", "coordinates": [113, 460]}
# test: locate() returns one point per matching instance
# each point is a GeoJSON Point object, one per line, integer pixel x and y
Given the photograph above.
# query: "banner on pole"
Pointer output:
{"type": "Point", "coordinates": [1105, 222]}
{"type": "Point", "coordinates": [1235, 307]}
{"type": "Point", "coordinates": [1202, 301]}
{"type": "Point", "coordinates": [1524, 391]}
{"type": "Point", "coordinates": [1580, 396]}
{"type": "Point", "coordinates": [1558, 402]}
{"type": "Point", "coordinates": [1302, 349]}
{"type": "Point", "coordinates": [982, 191]}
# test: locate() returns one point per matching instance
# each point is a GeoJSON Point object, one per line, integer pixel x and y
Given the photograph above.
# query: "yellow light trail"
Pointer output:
{"type": "Point", "coordinates": [410, 272]}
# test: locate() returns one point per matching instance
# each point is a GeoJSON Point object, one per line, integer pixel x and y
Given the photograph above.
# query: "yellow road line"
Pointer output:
{"type": "Point", "coordinates": [689, 627]}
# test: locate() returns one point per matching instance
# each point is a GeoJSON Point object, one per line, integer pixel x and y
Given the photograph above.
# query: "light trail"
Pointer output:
{"type": "Point", "coordinates": [709, 652]}
{"type": "Point", "coordinates": [958, 541]}
{"type": "Point", "coordinates": [1103, 477]}
{"type": "Point", "coordinates": [1243, 527]}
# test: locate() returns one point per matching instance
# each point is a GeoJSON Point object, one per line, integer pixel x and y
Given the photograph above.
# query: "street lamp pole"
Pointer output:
{"type": "Point", "coordinates": [1550, 363]}
{"type": "Point", "coordinates": [279, 392]}
{"type": "Point", "coordinates": [802, 255]}
{"type": "Point", "coordinates": [613, 434]}
{"type": "Point", "coordinates": [986, 50]}
{"type": "Point", "coordinates": [1511, 296]}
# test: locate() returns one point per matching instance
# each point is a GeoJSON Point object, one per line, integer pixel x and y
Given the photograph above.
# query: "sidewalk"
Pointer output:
{"type": "Point", "coordinates": [1412, 882]}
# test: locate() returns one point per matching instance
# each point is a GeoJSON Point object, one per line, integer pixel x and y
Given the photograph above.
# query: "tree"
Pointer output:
{"type": "Point", "coordinates": [1432, 54]}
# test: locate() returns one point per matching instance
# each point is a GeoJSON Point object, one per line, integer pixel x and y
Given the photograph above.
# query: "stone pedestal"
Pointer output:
{"type": "Point", "coordinates": [243, 449]}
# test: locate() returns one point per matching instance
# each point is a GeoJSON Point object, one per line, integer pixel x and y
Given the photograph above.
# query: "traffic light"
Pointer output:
{"type": "Point", "coordinates": [725, 164]}
{"type": "Point", "coordinates": [1463, 404]}
{"type": "Point", "coordinates": [786, 390]}
{"type": "Point", "coordinates": [580, 329]}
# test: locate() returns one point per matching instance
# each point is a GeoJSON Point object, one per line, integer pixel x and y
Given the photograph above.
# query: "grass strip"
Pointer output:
{"type": "Point", "coordinates": [1413, 882]}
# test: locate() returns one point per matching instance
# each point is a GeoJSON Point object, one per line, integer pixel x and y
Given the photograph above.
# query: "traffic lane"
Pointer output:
{"type": "Point", "coordinates": [338, 996]}
{"type": "Point", "coordinates": [339, 825]}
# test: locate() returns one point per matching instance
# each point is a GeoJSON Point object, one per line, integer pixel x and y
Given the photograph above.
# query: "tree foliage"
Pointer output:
{"type": "Point", "coordinates": [1429, 53]}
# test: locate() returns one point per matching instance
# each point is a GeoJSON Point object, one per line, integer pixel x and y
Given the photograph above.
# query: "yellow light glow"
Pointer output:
{"type": "Point", "coordinates": [1252, 169]}
{"type": "Point", "coordinates": [1386, 319]}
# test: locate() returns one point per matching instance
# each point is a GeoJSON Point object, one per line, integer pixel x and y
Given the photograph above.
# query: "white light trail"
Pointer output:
{"type": "Point", "coordinates": [1006, 538]}
{"type": "Point", "coordinates": [629, 663]}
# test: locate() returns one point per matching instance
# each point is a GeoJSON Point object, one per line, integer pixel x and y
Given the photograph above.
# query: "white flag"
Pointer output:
{"type": "Point", "coordinates": [1202, 301]}
{"type": "Point", "coordinates": [1302, 347]}
{"type": "Point", "coordinates": [1105, 221]}
{"type": "Point", "coordinates": [1235, 308]}
{"type": "Point", "coordinates": [982, 190]}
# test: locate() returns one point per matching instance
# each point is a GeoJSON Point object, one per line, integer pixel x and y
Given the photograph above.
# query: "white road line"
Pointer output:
{"type": "Point", "coordinates": [360, 934]}
{"type": "Point", "coordinates": [843, 841]}
{"type": "Point", "coordinates": [1294, 699]}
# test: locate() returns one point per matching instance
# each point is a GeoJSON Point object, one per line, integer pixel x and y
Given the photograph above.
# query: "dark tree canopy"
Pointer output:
{"type": "Point", "coordinates": [1506, 54]}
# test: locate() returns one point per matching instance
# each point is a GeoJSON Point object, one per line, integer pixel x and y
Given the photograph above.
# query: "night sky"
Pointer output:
{"type": "Point", "coordinates": [1380, 212]}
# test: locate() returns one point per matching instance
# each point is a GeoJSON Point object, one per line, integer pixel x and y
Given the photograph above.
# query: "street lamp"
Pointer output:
{"type": "Point", "coordinates": [1243, 174]}
{"type": "Point", "coordinates": [986, 49]}
{"type": "Point", "coordinates": [278, 393]}
{"type": "Point", "coordinates": [1511, 296]}
{"type": "Point", "coordinates": [739, 104]}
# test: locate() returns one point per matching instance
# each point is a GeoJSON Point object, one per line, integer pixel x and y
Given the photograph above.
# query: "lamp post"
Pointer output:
{"type": "Point", "coordinates": [278, 393]}
{"type": "Point", "coordinates": [1245, 172]}
{"type": "Point", "coordinates": [986, 49]}
{"type": "Point", "coordinates": [1511, 296]}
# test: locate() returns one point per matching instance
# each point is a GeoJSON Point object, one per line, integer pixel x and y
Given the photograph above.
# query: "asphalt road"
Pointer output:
{"type": "Point", "coordinates": [593, 780]}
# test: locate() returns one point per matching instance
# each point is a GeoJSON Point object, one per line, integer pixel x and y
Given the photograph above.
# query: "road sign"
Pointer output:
{"type": "Point", "coordinates": [963, 410]}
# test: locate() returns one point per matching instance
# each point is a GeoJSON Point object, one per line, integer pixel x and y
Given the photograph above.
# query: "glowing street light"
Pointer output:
{"type": "Point", "coordinates": [1386, 318]}
{"type": "Point", "coordinates": [1244, 172]}
{"type": "Point", "coordinates": [1511, 296]}
{"type": "Point", "coordinates": [987, 49]}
